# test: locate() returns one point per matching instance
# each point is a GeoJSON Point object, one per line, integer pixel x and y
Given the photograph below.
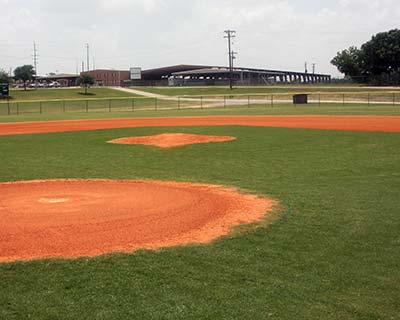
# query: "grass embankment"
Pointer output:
{"type": "Point", "coordinates": [334, 254]}
{"type": "Point", "coordinates": [65, 94]}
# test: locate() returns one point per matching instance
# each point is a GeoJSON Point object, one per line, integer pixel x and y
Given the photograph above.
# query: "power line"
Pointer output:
{"type": "Point", "coordinates": [230, 34]}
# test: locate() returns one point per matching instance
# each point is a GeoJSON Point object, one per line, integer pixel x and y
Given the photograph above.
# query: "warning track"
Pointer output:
{"type": "Point", "coordinates": [350, 123]}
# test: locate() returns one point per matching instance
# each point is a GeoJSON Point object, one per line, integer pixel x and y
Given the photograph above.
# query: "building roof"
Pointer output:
{"type": "Point", "coordinates": [186, 70]}
{"type": "Point", "coordinates": [58, 76]}
{"type": "Point", "coordinates": [158, 73]}
{"type": "Point", "coordinates": [222, 71]}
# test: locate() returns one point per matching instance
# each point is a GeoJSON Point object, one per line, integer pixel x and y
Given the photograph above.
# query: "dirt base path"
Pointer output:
{"type": "Point", "coordinates": [352, 123]}
{"type": "Point", "coordinates": [74, 218]}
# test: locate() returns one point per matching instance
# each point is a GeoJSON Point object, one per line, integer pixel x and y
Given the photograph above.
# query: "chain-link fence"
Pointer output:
{"type": "Point", "coordinates": [10, 107]}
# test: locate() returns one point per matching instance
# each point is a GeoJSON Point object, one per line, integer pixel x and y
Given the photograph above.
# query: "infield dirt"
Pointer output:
{"type": "Point", "coordinates": [74, 218]}
{"type": "Point", "coordinates": [171, 140]}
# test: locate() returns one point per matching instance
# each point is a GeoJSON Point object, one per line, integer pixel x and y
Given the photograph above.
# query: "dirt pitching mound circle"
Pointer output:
{"type": "Point", "coordinates": [170, 140]}
{"type": "Point", "coordinates": [74, 218]}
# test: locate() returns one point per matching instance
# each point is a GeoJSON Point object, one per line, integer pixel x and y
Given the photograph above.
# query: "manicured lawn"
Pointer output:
{"type": "Point", "coordinates": [198, 91]}
{"type": "Point", "coordinates": [65, 93]}
{"type": "Point", "coordinates": [145, 108]}
{"type": "Point", "coordinates": [333, 254]}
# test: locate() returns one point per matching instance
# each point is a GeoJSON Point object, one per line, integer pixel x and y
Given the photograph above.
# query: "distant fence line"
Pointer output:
{"type": "Point", "coordinates": [10, 107]}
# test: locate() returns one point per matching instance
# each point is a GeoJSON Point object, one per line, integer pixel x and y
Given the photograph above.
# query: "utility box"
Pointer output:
{"type": "Point", "coordinates": [300, 98]}
{"type": "Point", "coordinates": [4, 90]}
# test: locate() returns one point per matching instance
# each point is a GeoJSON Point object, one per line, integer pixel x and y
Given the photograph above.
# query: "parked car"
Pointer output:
{"type": "Point", "coordinates": [54, 84]}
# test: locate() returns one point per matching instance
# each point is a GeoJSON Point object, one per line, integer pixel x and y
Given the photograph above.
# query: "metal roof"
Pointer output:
{"type": "Point", "coordinates": [223, 70]}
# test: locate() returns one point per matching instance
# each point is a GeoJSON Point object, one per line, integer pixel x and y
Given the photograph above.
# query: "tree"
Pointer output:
{"type": "Point", "coordinates": [349, 62]}
{"type": "Point", "coordinates": [378, 60]}
{"type": "Point", "coordinates": [4, 77]}
{"type": "Point", "coordinates": [382, 53]}
{"type": "Point", "coordinates": [86, 80]}
{"type": "Point", "coordinates": [24, 73]}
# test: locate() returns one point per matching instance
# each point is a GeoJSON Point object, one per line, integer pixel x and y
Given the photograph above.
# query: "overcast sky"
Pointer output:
{"type": "Point", "coordinates": [273, 34]}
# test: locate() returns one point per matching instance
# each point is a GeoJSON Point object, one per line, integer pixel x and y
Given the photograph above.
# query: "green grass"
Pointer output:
{"type": "Point", "coordinates": [65, 93]}
{"type": "Point", "coordinates": [333, 254]}
{"type": "Point", "coordinates": [148, 111]}
{"type": "Point", "coordinates": [196, 91]}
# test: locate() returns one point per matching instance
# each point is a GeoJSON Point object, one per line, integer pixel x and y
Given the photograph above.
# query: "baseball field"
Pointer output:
{"type": "Point", "coordinates": [230, 213]}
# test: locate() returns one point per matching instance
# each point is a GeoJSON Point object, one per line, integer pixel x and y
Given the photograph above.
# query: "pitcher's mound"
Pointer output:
{"type": "Point", "coordinates": [73, 218]}
{"type": "Point", "coordinates": [170, 140]}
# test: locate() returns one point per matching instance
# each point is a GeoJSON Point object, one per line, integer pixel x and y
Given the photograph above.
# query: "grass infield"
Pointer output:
{"type": "Point", "coordinates": [332, 254]}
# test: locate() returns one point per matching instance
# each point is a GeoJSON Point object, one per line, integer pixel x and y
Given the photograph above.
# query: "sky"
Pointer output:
{"type": "Point", "coordinates": [270, 34]}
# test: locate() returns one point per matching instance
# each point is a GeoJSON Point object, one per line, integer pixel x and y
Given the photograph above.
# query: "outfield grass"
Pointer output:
{"type": "Point", "coordinates": [148, 111]}
{"type": "Point", "coordinates": [333, 254]}
{"type": "Point", "coordinates": [291, 89]}
{"type": "Point", "coordinates": [65, 93]}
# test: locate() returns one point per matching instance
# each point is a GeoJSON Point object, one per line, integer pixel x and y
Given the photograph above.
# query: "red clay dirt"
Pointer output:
{"type": "Point", "coordinates": [351, 123]}
{"type": "Point", "coordinates": [171, 140]}
{"type": "Point", "coordinates": [74, 218]}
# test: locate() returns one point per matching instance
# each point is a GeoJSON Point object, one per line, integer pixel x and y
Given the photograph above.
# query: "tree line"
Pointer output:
{"type": "Point", "coordinates": [26, 73]}
{"type": "Point", "coordinates": [377, 62]}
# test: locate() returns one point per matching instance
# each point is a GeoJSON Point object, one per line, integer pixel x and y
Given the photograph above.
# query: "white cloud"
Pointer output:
{"type": "Point", "coordinates": [279, 34]}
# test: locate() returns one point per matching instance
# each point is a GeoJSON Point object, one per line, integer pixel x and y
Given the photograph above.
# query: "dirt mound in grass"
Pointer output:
{"type": "Point", "coordinates": [170, 140]}
{"type": "Point", "coordinates": [74, 218]}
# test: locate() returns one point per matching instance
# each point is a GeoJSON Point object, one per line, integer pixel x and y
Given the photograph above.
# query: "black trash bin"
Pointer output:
{"type": "Point", "coordinates": [300, 98]}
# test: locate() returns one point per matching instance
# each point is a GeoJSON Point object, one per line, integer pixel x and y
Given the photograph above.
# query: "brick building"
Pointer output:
{"type": "Point", "coordinates": [108, 77]}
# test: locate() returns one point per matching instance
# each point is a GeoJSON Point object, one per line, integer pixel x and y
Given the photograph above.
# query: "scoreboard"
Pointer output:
{"type": "Point", "coordinates": [136, 73]}
{"type": "Point", "coordinates": [4, 90]}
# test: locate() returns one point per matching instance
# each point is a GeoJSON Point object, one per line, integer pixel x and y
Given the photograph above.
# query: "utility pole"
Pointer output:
{"type": "Point", "coordinates": [230, 34]}
{"type": "Point", "coordinates": [306, 67]}
{"type": "Point", "coordinates": [83, 66]}
{"type": "Point", "coordinates": [313, 68]}
{"type": "Point", "coordinates": [87, 57]}
{"type": "Point", "coordinates": [93, 64]}
{"type": "Point", "coordinates": [35, 61]}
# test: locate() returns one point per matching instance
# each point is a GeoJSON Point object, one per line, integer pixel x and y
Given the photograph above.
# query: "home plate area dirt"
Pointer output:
{"type": "Point", "coordinates": [75, 218]}
{"type": "Point", "coordinates": [170, 140]}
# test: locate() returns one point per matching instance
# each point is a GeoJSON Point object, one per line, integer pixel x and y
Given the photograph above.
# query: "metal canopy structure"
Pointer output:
{"type": "Point", "coordinates": [192, 74]}
{"type": "Point", "coordinates": [252, 76]}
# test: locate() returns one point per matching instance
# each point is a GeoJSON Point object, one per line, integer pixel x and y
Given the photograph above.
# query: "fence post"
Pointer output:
{"type": "Point", "coordinates": [40, 107]}
{"type": "Point", "coordinates": [17, 108]}
{"type": "Point", "coordinates": [87, 106]}
{"type": "Point", "coordinates": [133, 104]}
{"type": "Point", "coordinates": [63, 106]}
{"type": "Point", "coordinates": [8, 105]}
